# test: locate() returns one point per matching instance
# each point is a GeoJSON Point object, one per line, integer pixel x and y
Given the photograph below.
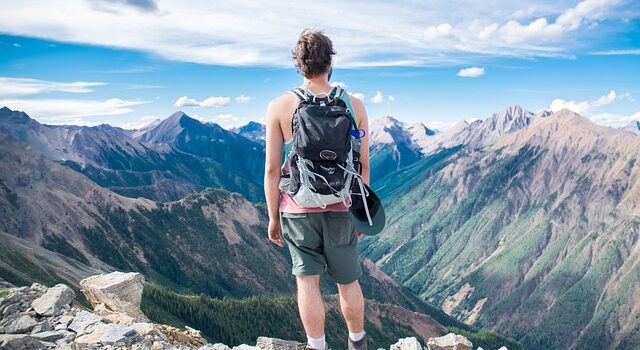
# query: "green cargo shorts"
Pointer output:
{"type": "Point", "coordinates": [322, 241]}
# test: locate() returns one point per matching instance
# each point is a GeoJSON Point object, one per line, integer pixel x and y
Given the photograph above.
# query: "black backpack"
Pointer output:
{"type": "Point", "coordinates": [326, 144]}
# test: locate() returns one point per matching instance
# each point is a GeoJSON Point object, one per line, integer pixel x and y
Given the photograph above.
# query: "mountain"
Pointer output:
{"type": "Point", "coordinates": [253, 131]}
{"type": "Point", "coordinates": [114, 159]}
{"type": "Point", "coordinates": [529, 226]}
{"type": "Point", "coordinates": [394, 145]}
{"type": "Point", "coordinates": [480, 133]}
{"type": "Point", "coordinates": [633, 126]}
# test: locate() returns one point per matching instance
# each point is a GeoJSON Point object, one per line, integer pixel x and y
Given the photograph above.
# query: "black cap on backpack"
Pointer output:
{"type": "Point", "coordinates": [367, 215]}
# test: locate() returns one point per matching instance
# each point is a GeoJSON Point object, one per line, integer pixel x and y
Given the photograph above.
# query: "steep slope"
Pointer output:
{"type": "Point", "coordinates": [535, 235]}
{"type": "Point", "coordinates": [236, 153]}
{"type": "Point", "coordinates": [113, 159]}
{"type": "Point", "coordinates": [394, 145]}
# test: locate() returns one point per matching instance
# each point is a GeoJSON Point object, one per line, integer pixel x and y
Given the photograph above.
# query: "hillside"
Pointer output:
{"type": "Point", "coordinates": [533, 232]}
{"type": "Point", "coordinates": [182, 155]}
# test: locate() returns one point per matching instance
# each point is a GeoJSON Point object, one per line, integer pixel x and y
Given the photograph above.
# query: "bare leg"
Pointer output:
{"type": "Point", "coordinates": [311, 305]}
{"type": "Point", "coordinates": [352, 306]}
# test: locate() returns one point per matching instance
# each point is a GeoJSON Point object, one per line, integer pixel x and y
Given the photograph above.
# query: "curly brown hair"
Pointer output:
{"type": "Point", "coordinates": [312, 54]}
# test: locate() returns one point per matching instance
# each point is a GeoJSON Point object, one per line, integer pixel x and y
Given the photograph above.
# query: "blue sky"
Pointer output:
{"type": "Point", "coordinates": [126, 62]}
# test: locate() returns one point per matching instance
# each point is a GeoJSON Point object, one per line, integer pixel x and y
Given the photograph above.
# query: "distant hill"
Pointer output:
{"type": "Point", "coordinates": [167, 160]}
{"type": "Point", "coordinates": [525, 224]}
{"type": "Point", "coordinates": [253, 131]}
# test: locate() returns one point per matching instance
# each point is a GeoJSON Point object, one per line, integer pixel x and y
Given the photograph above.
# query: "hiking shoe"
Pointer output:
{"type": "Point", "coordinates": [358, 345]}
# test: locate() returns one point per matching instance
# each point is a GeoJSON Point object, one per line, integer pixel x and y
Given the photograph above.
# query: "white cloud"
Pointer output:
{"type": "Point", "coordinates": [620, 52]}
{"type": "Point", "coordinates": [69, 111]}
{"type": "Point", "coordinates": [391, 99]}
{"type": "Point", "coordinates": [217, 101]}
{"type": "Point", "coordinates": [378, 98]}
{"type": "Point", "coordinates": [571, 19]}
{"type": "Point", "coordinates": [219, 33]}
{"type": "Point", "coordinates": [584, 107]}
{"type": "Point", "coordinates": [26, 86]}
{"type": "Point", "coordinates": [439, 125]}
{"type": "Point", "coordinates": [471, 72]}
{"type": "Point", "coordinates": [358, 95]}
{"type": "Point", "coordinates": [614, 120]}
{"type": "Point", "coordinates": [439, 32]}
{"type": "Point", "coordinates": [340, 84]}
{"type": "Point", "coordinates": [244, 99]}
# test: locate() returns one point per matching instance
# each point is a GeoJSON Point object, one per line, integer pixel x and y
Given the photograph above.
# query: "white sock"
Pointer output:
{"type": "Point", "coordinates": [317, 343]}
{"type": "Point", "coordinates": [356, 336]}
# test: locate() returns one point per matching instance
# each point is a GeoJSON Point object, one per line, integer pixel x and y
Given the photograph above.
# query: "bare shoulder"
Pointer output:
{"type": "Point", "coordinates": [359, 109]}
{"type": "Point", "coordinates": [282, 105]}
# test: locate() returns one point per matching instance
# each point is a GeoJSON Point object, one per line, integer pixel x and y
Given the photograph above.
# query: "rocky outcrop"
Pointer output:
{"type": "Point", "coordinates": [450, 341]}
{"type": "Point", "coordinates": [116, 295]}
{"type": "Point", "coordinates": [38, 317]}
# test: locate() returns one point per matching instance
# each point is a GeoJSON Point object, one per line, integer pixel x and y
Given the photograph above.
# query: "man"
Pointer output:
{"type": "Point", "coordinates": [319, 239]}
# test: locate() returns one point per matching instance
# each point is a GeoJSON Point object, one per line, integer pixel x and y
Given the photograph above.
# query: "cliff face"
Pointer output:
{"type": "Point", "coordinates": [535, 234]}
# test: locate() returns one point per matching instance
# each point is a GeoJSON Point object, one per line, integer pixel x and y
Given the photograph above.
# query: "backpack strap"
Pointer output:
{"type": "Point", "coordinates": [300, 93]}
{"type": "Point", "coordinates": [344, 95]}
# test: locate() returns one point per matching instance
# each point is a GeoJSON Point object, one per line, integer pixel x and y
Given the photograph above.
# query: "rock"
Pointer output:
{"type": "Point", "coordinates": [56, 299]}
{"type": "Point", "coordinates": [143, 328]}
{"type": "Point", "coordinates": [450, 341]}
{"type": "Point", "coordinates": [245, 347]}
{"type": "Point", "coordinates": [410, 343]}
{"type": "Point", "coordinates": [275, 344]}
{"type": "Point", "coordinates": [216, 346]}
{"type": "Point", "coordinates": [503, 348]}
{"type": "Point", "coordinates": [117, 291]}
{"type": "Point", "coordinates": [107, 334]}
{"type": "Point", "coordinates": [50, 336]}
{"type": "Point", "coordinates": [20, 324]}
{"type": "Point", "coordinates": [84, 322]}
{"type": "Point", "coordinates": [64, 320]}
{"type": "Point", "coordinates": [21, 342]}
{"type": "Point", "coordinates": [42, 327]}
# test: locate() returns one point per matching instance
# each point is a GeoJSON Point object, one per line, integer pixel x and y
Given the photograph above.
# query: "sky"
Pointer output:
{"type": "Point", "coordinates": [128, 62]}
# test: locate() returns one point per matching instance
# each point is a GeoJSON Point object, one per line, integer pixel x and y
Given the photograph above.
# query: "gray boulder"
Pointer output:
{"type": "Point", "coordinates": [20, 324]}
{"type": "Point", "coordinates": [120, 292]}
{"type": "Point", "coordinates": [84, 322]}
{"type": "Point", "coordinates": [107, 334]}
{"type": "Point", "coordinates": [266, 343]}
{"type": "Point", "coordinates": [56, 299]}
{"type": "Point", "coordinates": [450, 341]}
{"type": "Point", "coordinates": [410, 343]}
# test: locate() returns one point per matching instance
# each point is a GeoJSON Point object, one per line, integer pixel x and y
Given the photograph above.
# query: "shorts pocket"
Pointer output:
{"type": "Point", "coordinates": [341, 229]}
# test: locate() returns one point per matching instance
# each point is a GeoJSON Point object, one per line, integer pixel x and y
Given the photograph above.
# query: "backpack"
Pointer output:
{"type": "Point", "coordinates": [326, 144]}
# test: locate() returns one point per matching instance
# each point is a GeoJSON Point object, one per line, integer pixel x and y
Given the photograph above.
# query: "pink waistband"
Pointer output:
{"type": "Point", "coordinates": [288, 205]}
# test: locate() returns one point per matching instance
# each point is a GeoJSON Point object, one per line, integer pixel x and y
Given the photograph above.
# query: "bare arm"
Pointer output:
{"type": "Point", "coordinates": [274, 140]}
{"type": "Point", "coordinates": [363, 123]}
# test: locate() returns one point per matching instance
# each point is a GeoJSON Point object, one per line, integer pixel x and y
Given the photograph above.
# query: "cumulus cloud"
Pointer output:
{"type": "Point", "coordinates": [583, 107]}
{"type": "Point", "coordinates": [377, 98]}
{"type": "Point", "coordinates": [26, 86]}
{"type": "Point", "coordinates": [216, 32]}
{"type": "Point", "coordinates": [359, 95]}
{"type": "Point", "coordinates": [68, 111]}
{"type": "Point", "coordinates": [340, 84]}
{"type": "Point", "coordinates": [213, 101]}
{"type": "Point", "coordinates": [471, 72]}
{"type": "Point", "coordinates": [391, 99]}
{"type": "Point", "coordinates": [244, 99]}
{"type": "Point", "coordinates": [439, 32]}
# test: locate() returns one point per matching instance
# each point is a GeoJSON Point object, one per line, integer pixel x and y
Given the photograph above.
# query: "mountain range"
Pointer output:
{"type": "Point", "coordinates": [525, 223]}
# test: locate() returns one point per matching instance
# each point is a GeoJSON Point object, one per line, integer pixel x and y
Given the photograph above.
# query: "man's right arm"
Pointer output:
{"type": "Point", "coordinates": [274, 140]}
